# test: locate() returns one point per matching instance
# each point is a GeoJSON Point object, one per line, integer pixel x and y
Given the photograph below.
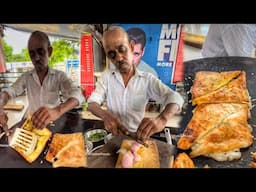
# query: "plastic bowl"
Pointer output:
{"type": "Point", "coordinates": [95, 135]}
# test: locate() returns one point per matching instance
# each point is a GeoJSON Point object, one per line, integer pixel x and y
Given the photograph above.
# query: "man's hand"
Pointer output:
{"type": "Point", "coordinates": [43, 116]}
{"type": "Point", "coordinates": [150, 126]}
{"type": "Point", "coordinates": [3, 122]}
{"type": "Point", "coordinates": [113, 124]}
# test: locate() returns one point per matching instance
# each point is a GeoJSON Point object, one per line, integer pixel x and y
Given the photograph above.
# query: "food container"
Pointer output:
{"type": "Point", "coordinates": [95, 135]}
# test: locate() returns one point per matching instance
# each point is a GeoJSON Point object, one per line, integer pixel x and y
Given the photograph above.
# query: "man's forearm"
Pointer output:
{"type": "Point", "coordinates": [67, 105]}
{"type": "Point", "coordinates": [169, 111]}
{"type": "Point", "coordinates": [96, 109]}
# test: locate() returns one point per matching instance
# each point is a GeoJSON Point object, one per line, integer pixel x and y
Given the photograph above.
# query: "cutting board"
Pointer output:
{"type": "Point", "coordinates": [165, 152]}
{"type": "Point", "coordinates": [16, 107]}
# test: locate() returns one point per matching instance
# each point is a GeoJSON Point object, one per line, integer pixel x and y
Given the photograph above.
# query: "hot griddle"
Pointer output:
{"type": "Point", "coordinates": [222, 64]}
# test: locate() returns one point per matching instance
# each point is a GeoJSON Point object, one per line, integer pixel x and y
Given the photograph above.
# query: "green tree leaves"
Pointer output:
{"type": "Point", "coordinates": [7, 49]}
{"type": "Point", "coordinates": [62, 49]}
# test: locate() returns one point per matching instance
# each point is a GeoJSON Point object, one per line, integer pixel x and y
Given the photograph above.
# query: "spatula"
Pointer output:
{"type": "Point", "coordinates": [24, 139]}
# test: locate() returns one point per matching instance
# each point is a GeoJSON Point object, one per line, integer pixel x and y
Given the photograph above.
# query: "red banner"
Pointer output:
{"type": "Point", "coordinates": [87, 67]}
{"type": "Point", "coordinates": [178, 72]}
{"type": "Point", "coordinates": [2, 60]}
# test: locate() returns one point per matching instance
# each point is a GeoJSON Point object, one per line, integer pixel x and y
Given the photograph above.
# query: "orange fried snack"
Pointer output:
{"type": "Point", "coordinates": [183, 161]}
{"type": "Point", "coordinates": [67, 150]}
{"type": "Point", "coordinates": [253, 162]}
{"type": "Point", "coordinates": [208, 89]}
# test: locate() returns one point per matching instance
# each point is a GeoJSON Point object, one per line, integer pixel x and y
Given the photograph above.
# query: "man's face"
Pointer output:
{"type": "Point", "coordinates": [137, 54]}
{"type": "Point", "coordinates": [39, 52]}
{"type": "Point", "coordinates": [119, 51]}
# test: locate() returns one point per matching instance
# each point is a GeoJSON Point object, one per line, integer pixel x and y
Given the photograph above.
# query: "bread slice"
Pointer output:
{"type": "Point", "coordinates": [217, 131]}
{"type": "Point", "coordinates": [67, 150]}
{"type": "Point", "coordinates": [233, 91]}
{"type": "Point", "coordinates": [183, 161]}
{"type": "Point", "coordinates": [207, 117]}
{"type": "Point", "coordinates": [207, 81]}
{"type": "Point", "coordinates": [232, 134]}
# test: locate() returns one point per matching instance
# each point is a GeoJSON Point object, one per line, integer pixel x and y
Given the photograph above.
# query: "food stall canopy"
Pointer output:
{"type": "Point", "coordinates": [67, 31]}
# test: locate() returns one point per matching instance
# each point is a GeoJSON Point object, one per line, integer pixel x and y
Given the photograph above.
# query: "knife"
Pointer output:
{"type": "Point", "coordinates": [168, 136]}
{"type": "Point", "coordinates": [134, 136]}
{"type": "Point", "coordinates": [99, 154]}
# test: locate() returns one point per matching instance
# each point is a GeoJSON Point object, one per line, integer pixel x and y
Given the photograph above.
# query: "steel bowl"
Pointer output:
{"type": "Point", "coordinates": [95, 135]}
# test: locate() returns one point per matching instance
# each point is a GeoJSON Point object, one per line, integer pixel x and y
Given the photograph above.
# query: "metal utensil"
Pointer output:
{"type": "Point", "coordinates": [24, 139]}
{"type": "Point", "coordinates": [4, 145]}
{"type": "Point", "coordinates": [92, 153]}
{"type": "Point", "coordinates": [168, 136]}
{"type": "Point", "coordinates": [99, 154]}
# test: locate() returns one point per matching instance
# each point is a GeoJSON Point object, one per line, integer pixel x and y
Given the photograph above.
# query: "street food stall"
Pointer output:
{"type": "Point", "coordinates": [71, 122]}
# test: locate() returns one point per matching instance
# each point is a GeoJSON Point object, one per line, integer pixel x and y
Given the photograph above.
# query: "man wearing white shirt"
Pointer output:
{"type": "Point", "coordinates": [126, 91]}
{"type": "Point", "coordinates": [230, 40]}
{"type": "Point", "coordinates": [43, 87]}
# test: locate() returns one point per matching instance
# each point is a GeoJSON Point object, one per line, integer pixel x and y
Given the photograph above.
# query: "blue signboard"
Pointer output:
{"type": "Point", "coordinates": [72, 63]}
{"type": "Point", "coordinates": [73, 70]}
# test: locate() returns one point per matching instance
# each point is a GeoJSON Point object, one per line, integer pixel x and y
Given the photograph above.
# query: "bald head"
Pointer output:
{"type": "Point", "coordinates": [118, 49]}
{"type": "Point", "coordinates": [113, 35]}
{"type": "Point", "coordinates": [40, 50]}
{"type": "Point", "coordinates": [40, 35]}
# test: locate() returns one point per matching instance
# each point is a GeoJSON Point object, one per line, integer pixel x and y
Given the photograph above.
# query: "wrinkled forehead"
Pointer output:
{"type": "Point", "coordinates": [37, 42]}
{"type": "Point", "coordinates": [114, 39]}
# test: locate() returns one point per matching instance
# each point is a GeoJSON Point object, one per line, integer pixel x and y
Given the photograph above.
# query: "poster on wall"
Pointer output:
{"type": "Point", "coordinates": [156, 49]}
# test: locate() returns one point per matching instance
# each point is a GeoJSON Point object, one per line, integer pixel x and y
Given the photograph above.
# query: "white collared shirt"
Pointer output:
{"type": "Point", "coordinates": [129, 102]}
{"type": "Point", "coordinates": [47, 94]}
{"type": "Point", "coordinates": [230, 40]}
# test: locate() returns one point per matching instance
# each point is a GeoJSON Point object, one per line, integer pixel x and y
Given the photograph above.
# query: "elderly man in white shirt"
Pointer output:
{"type": "Point", "coordinates": [126, 91]}
{"type": "Point", "coordinates": [43, 87]}
{"type": "Point", "coordinates": [230, 40]}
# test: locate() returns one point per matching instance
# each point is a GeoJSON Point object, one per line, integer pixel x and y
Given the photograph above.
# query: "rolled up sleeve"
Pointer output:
{"type": "Point", "coordinates": [162, 93]}
{"type": "Point", "coordinates": [99, 94]}
{"type": "Point", "coordinates": [70, 89]}
{"type": "Point", "coordinates": [17, 88]}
